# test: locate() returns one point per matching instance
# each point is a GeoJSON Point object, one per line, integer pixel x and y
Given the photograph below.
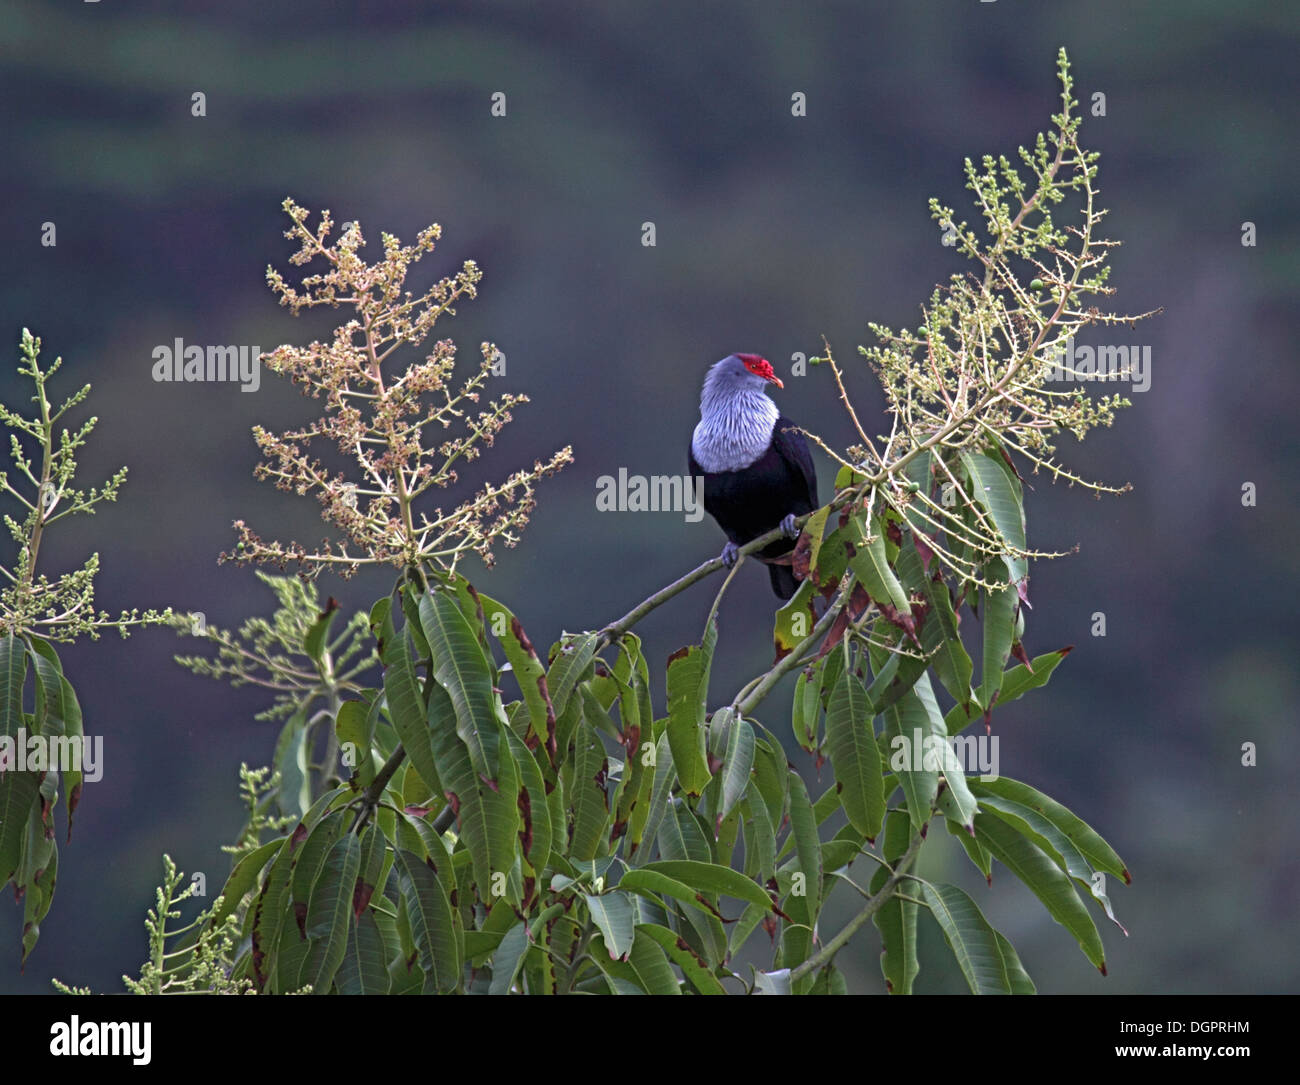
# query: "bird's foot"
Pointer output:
{"type": "Point", "coordinates": [730, 553]}
{"type": "Point", "coordinates": [787, 527]}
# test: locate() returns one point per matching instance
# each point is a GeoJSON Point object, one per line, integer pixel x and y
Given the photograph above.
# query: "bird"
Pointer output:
{"type": "Point", "coordinates": [757, 468]}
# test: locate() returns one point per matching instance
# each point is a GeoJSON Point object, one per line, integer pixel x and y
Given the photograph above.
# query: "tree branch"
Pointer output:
{"type": "Point", "coordinates": [817, 960]}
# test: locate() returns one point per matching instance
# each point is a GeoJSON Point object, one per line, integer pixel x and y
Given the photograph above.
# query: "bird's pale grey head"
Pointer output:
{"type": "Point", "coordinates": [736, 375]}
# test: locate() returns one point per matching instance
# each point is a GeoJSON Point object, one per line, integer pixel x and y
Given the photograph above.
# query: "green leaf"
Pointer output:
{"type": "Point", "coordinates": [770, 768]}
{"type": "Point", "coordinates": [707, 878]}
{"type": "Point", "coordinates": [737, 762]}
{"type": "Point", "coordinates": [846, 476]}
{"type": "Point", "coordinates": [829, 981]}
{"type": "Point", "coordinates": [827, 803]}
{"type": "Point", "coordinates": [950, 766]}
{"type": "Point", "coordinates": [999, 631]}
{"type": "Point", "coordinates": [269, 912]}
{"type": "Point", "coordinates": [815, 530]}
{"type": "Point", "coordinates": [681, 837]}
{"type": "Point", "coordinates": [920, 785]}
{"type": "Point", "coordinates": [615, 918]}
{"type": "Point", "coordinates": [353, 727]}
{"type": "Point", "coordinates": [38, 897]}
{"type": "Point", "coordinates": [48, 718]}
{"type": "Point", "coordinates": [18, 790]}
{"type": "Point", "coordinates": [314, 641]}
{"type": "Point", "coordinates": [508, 957]}
{"type": "Point", "coordinates": [1099, 854]}
{"type": "Point", "coordinates": [1045, 879]}
{"type": "Point", "coordinates": [1030, 823]}
{"type": "Point", "coordinates": [461, 668]}
{"type": "Point", "coordinates": [693, 966]}
{"type": "Point", "coordinates": [797, 941]}
{"type": "Point", "coordinates": [534, 814]}
{"type": "Point", "coordinates": [940, 639]}
{"type": "Point", "coordinates": [851, 742]}
{"type": "Point", "coordinates": [243, 877]}
{"type": "Point", "coordinates": [486, 819]}
{"type": "Point", "coordinates": [807, 844]}
{"type": "Point", "coordinates": [688, 690]}
{"type": "Point", "coordinates": [832, 558]}
{"type": "Point", "coordinates": [291, 762]}
{"type": "Point", "coordinates": [62, 716]}
{"type": "Point", "coordinates": [794, 621]}
{"type": "Point", "coordinates": [986, 959]}
{"type": "Point", "coordinates": [806, 711]}
{"type": "Point", "coordinates": [364, 970]}
{"type": "Point", "coordinates": [896, 918]}
{"type": "Point", "coordinates": [571, 661]}
{"type": "Point", "coordinates": [433, 929]}
{"type": "Point", "coordinates": [871, 564]}
{"type": "Point", "coordinates": [646, 970]}
{"type": "Point", "coordinates": [918, 473]}
{"type": "Point", "coordinates": [645, 827]}
{"type": "Point", "coordinates": [406, 709]}
{"type": "Point", "coordinates": [72, 730]}
{"type": "Point", "coordinates": [329, 914]}
{"type": "Point", "coordinates": [527, 668]}
{"type": "Point", "coordinates": [1015, 683]}
{"type": "Point", "coordinates": [993, 490]}
{"type": "Point", "coordinates": [975, 851]}
{"type": "Point", "coordinates": [895, 677]}
{"type": "Point", "coordinates": [760, 838]}
{"type": "Point", "coordinates": [308, 862]}
{"type": "Point", "coordinates": [590, 802]}
{"type": "Point", "coordinates": [656, 884]}
{"type": "Point", "coordinates": [636, 785]}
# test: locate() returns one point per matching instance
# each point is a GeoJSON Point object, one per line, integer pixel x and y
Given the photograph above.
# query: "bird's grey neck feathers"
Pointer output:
{"type": "Point", "coordinates": [736, 418]}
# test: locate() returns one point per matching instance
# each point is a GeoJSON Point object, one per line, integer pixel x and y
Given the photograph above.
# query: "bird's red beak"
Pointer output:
{"type": "Point", "coordinates": [776, 380]}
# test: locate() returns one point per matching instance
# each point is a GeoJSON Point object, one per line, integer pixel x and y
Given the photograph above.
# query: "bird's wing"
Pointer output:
{"type": "Point", "coordinates": [691, 461]}
{"type": "Point", "coordinates": [792, 446]}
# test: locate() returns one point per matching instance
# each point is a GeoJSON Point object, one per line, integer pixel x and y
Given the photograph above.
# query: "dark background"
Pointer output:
{"type": "Point", "coordinates": [772, 231]}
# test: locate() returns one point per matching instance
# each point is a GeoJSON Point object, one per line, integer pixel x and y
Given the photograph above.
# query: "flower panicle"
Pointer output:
{"type": "Point", "coordinates": [386, 420]}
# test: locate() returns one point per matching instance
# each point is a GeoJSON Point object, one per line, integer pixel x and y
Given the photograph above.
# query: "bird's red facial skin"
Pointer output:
{"type": "Point", "coordinates": [760, 367]}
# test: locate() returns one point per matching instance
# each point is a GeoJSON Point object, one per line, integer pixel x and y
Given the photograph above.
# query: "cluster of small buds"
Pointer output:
{"type": "Point", "coordinates": [977, 374]}
{"type": "Point", "coordinates": [64, 608]}
{"type": "Point", "coordinates": [379, 416]}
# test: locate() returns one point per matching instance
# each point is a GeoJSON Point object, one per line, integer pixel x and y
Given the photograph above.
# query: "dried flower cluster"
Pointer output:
{"type": "Point", "coordinates": [379, 417]}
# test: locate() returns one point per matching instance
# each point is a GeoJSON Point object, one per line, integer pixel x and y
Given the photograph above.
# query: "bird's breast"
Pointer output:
{"type": "Point", "coordinates": [720, 445]}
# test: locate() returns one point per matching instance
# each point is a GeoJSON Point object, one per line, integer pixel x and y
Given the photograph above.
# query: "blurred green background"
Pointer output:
{"type": "Point", "coordinates": [772, 231]}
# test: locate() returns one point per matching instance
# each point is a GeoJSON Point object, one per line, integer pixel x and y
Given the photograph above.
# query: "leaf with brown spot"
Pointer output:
{"type": "Point", "coordinates": [525, 821]}
{"type": "Point", "coordinates": [922, 542]}
{"type": "Point", "coordinates": [794, 621]}
{"type": "Point", "coordinates": [361, 895]}
{"type": "Point", "coordinates": [801, 559]}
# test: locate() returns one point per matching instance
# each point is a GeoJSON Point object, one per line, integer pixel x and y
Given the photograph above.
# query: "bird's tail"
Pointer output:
{"type": "Point", "coordinates": [783, 581]}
